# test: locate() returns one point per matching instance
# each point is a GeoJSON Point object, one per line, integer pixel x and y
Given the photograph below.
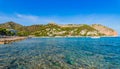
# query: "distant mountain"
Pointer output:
{"type": "Point", "coordinates": [11, 25]}
{"type": "Point", "coordinates": [53, 29]}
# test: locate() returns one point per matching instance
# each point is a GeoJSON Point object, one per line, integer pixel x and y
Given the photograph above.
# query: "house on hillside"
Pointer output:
{"type": "Point", "coordinates": [13, 32]}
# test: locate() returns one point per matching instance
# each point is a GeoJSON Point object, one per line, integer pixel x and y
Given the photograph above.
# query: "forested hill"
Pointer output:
{"type": "Point", "coordinates": [52, 29]}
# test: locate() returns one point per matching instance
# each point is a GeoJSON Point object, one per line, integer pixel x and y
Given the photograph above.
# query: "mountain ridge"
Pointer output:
{"type": "Point", "coordinates": [53, 29]}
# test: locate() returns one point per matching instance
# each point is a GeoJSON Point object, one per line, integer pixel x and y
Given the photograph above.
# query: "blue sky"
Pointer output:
{"type": "Point", "coordinates": [28, 12]}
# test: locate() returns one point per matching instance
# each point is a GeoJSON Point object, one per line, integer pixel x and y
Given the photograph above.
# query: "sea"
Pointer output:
{"type": "Point", "coordinates": [61, 53]}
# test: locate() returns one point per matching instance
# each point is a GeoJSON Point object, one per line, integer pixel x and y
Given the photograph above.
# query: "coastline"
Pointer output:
{"type": "Point", "coordinates": [11, 39]}
{"type": "Point", "coordinates": [70, 36]}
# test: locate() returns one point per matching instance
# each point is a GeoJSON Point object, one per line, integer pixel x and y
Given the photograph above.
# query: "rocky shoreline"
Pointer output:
{"type": "Point", "coordinates": [11, 39]}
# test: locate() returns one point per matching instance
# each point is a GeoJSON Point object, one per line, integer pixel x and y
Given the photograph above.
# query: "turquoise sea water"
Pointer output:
{"type": "Point", "coordinates": [62, 53]}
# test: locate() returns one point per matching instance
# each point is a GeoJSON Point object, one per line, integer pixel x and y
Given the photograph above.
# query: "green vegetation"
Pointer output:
{"type": "Point", "coordinates": [6, 32]}
{"type": "Point", "coordinates": [51, 29]}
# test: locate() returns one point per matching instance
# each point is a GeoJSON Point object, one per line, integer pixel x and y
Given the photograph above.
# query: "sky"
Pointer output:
{"type": "Point", "coordinates": [29, 12]}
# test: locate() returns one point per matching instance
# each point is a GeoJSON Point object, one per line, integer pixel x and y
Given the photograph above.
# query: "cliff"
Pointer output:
{"type": "Point", "coordinates": [105, 30]}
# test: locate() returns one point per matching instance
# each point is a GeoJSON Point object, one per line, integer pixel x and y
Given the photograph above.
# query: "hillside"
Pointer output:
{"type": "Point", "coordinates": [11, 25]}
{"type": "Point", "coordinates": [53, 29]}
{"type": "Point", "coordinates": [105, 30]}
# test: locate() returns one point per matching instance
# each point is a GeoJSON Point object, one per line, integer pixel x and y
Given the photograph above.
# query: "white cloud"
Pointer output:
{"type": "Point", "coordinates": [26, 19]}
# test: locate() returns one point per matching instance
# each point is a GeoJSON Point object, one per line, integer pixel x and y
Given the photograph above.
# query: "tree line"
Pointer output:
{"type": "Point", "coordinates": [6, 32]}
